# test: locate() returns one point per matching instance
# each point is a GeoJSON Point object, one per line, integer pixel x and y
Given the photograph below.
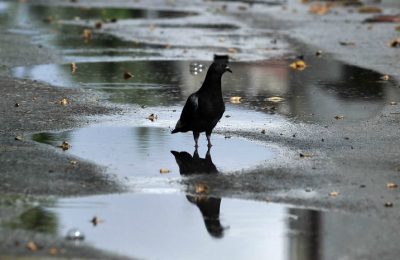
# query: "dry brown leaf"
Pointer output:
{"type": "Point", "coordinates": [333, 194]}
{"type": "Point", "coordinates": [95, 221]}
{"type": "Point", "coordinates": [32, 246]}
{"type": "Point", "coordinates": [394, 43]}
{"type": "Point", "coordinates": [388, 204]}
{"type": "Point", "coordinates": [201, 188]}
{"type": "Point", "coordinates": [87, 34]}
{"type": "Point", "coordinates": [73, 67]}
{"type": "Point", "coordinates": [385, 77]}
{"type": "Point", "coordinates": [339, 117]}
{"type": "Point", "coordinates": [127, 75]}
{"type": "Point", "coordinates": [318, 9]}
{"type": "Point", "coordinates": [393, 103]}
{"type": "Point", "coordinates": [19, 138]}
{"type": "Point", "coordinates": [65, 145]}
{"type": "Point", "coordinates": [64, 102]}
{"type": "Point", "coordinates": [232, 50]}
{"type": "Point", "coordinates": [306, 155]}
{"type": "Point", "coordinates": [152, 117]}
{"type": "Point", "coordinates": [347, 43]}
{"type": "Point", "coordinates": [98, 25]}
{"type": "Point", "coordinates": [369, 9]}
{"type": "Point", "coordinates": [298, 65]}
{"type": "Point", "coordinates": [53, 251]}
{"type": "Point", "coordinates": [164, 171]}
{"type": "Point", "coordinates": [235, 99]}
{"type": "Point", "coordinates": [275, 99]}
{"type": "Point", "coordinates": [391, 185]}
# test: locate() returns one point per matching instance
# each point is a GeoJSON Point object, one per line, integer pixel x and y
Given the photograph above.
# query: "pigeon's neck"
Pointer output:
{"type": "Point", "coordinates": [212, 83]}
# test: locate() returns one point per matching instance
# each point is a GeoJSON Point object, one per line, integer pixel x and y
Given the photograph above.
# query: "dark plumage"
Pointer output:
{"type": "Point", "coordinates": [204, 108]}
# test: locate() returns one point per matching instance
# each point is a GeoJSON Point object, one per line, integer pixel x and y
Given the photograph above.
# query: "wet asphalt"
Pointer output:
{"type": "Point", "coordinates": [354, 159]}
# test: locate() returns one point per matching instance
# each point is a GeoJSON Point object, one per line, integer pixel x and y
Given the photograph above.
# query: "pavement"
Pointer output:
{"type": "Point", "coordinates": [347, 172]}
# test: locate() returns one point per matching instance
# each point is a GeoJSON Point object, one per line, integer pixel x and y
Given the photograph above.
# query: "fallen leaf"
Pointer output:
{"type": "Point", "coordinates": [333, 194]}
{"type": "Point", "coordinates": [152, 117]}
{"type": "Point", "coordinates": [384, 19]}
{"type": "Point", "coordinates": [347, 43]}
{"type": "Point", "coordinates": [394, 43]}
{"type": "Point", "coordinates": [275, 99]}
{"type": "Point", "coordinates": [32, 246]}
{"type": "Point", "coordinates": [391, 185]}
{"type": "Point", "coordinates": [263, 131]}
{"type": "Point", "coordinates": [339, 117]}
{"type": "Point", "coordinates": [318, 9]}
{"type": "Point", "coordinates": [17, 105]}
{"type": "Point", "coordinates": [232, 50]}
{"type": "Point", "coordinates": [201, 188]}
{"type": "Point", "coordinates": [398, 27]}
{"type": "Point", "coordinates": [64, 102]}
{"type": "Point", "coordinates": [393, 103]}
{"type": "Point", "coordinates": [388, 204]}
{"type": "Point", "coordinates": [95, 221]}
{"type": "Point", "coordinates": [164, 170]}
{"type": "Point", "coordinates": [72, 162]}
{"type": "Point", "coordinates": [98, 25]}
{"type": "Point", "coordinates": [53, 251]}
{"type": "Point", "coordinates": [19, 138]}
{"type": "Point", "coordinates": [318, 53]}
{"type": "Point", "coordinates": [369, 9]}
{"type": "Point", "coordinates": [73, 67]}
{"type": "Point", "coordinates": [306, 155]}
{"type": "Point", "coordinates": [87, 34]}
{"type": "Point", "coordinates": [235, 100]}
{"type": "Point", "coordinates": [65, 146]}
{"type": "Point", "coordinates": [385, 77]}
{"type": "Point", "coordinates": [298, 65]}
{"type": "Point", "coordinates": [127, 75]}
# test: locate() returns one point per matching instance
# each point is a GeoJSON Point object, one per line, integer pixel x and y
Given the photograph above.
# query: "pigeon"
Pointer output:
{"type": "Point", "coordinates": [204, 108]}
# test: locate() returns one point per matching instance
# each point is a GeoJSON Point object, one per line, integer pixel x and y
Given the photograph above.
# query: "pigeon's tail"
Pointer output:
{"type": "Point", "coordinates": [178, 127]}
{"type": "Point", "coordinates": [175, 131]}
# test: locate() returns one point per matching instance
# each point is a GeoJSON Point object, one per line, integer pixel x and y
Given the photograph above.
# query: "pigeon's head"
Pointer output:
{"type": "Point", "coordinates": [219, 68]}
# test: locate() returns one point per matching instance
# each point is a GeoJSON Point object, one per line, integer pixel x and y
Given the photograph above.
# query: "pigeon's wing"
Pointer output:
{"type": "Point", "coordinates": [190, 108]}
{"type": "Point", "coordinates": [189, 112]}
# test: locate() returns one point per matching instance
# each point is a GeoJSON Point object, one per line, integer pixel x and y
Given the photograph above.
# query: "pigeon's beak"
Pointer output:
{"type": "Point", "coordinates": [228, 69]}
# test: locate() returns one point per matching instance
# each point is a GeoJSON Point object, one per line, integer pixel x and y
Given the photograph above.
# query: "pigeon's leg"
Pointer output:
{"type": "Point", "coordinates": [208, 154]}
{"type": "Point", "coordinates": [208, 135]}
{"type": "Point", "coordinates": [196, 138]}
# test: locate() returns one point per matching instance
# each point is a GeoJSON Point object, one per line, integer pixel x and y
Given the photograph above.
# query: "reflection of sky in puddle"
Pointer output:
{"type": "Point", "coordinates": [170, 227]}
{"type": "Point", "coordinates": [325, 89]}
{"type": "Point", "coordinates": [143, 151]}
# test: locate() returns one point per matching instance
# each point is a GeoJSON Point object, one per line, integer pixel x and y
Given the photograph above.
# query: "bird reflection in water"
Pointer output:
{"type": "Point", "coordinates": [208, 206]}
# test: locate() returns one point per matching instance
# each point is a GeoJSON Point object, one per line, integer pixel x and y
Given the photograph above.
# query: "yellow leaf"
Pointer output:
{"type": "Point", "coordinates": [385, 77]}
{"type": "Point", "coordinates": [369, 10]}
{"type": "Point", "coordinates": [318, 9]}
{"type": "Point", "coordinates": [152, 117]}
{"type": "Point", "coordinates": [275, 99]}
{"type": "Point", "coordinates": [201, 188]}
{"type": "Point", "coordinates": [298, 65]}
{"type": "Point", "coordinates": [32, 246]}
{"type": "Point", "coordinates": [164, 170]}
{"type": "Point", "coordinates": [87, 34]}
{"type": "Point", "coordinates": [333, 193]}
{"type": "Point", "coordinates": [235, 100]}
{"type": "Point", "coordinates": [64, 102]}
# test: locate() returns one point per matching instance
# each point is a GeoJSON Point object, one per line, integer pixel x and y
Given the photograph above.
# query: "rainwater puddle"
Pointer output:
{"type": "Point", "coordinates": [138, 153]}
{"type": "Point", "coordinates": [175, 226]}
{"type": "Point", "coordinates": [316, 95]}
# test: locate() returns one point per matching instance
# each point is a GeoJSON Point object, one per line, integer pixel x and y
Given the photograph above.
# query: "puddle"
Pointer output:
{"type": "Point", "coordinates": [325, 89]}
{"type": "Point", "coordinates": [174, 226]}
{"type": "Point", "coordinates": [132, 151]}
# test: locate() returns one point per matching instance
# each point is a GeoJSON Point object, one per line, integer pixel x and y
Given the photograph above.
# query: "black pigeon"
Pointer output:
{"type": "Point", "coordinates": [204, 108]}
